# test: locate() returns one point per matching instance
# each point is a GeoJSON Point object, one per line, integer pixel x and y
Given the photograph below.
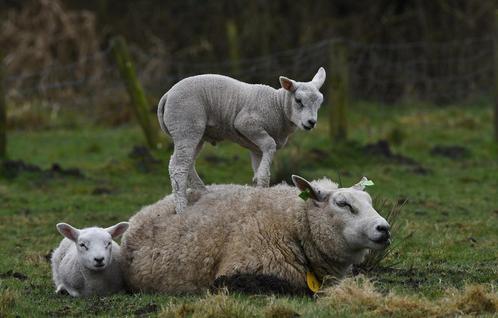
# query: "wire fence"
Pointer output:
{"type": "Point", "coordinates": [383, 72]}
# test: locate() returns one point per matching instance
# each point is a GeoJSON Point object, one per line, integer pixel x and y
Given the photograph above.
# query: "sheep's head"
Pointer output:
{"type": "Point", "coordinates": [94, 244]}
{"type": "Point", "coordinates": [344, 216]}
{"type": "Point", "coordinates": [306, 99]}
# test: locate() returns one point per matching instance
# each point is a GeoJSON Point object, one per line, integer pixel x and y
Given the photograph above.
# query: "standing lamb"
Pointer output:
{"type": "Point", "coordinates": [88, 262]}
{"type": "Point", "coordinates": [215, 107]}
{"type": "Point", "coordinates": [250, 239]}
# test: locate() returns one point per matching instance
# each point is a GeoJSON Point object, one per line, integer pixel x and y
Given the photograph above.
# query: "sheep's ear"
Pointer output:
{"type": "Point", "coordinates": [362, 184]}
{"type": "Point", "coordinates": [68, 231]}
{"type": "Point", "coordinates": [287, 83]}
{"type": "Point", "coordinates": [118, 229]}
{"type": "Point", "coordinates": [304, 185]}
{"type": "Point", "coordinates": [319, 78]}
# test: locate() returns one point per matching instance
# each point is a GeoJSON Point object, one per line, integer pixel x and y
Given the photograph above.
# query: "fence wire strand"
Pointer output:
{"type": "Point", "coordinates": [384, 72]}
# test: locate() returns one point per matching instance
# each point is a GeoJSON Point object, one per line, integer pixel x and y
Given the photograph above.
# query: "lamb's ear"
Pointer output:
{"type": "Point", "coordinates": [304, 185]}
{"type": "Point", "coordinates": [361, 184]}
{"type": "Point", "coordinates": [68, 231]}
{"type": "Point", "coordinates": [319, 78]}
{"type": "Point", "coordinates": [287, 83]}
{"type": "Point", "coordinates": [118, 229]}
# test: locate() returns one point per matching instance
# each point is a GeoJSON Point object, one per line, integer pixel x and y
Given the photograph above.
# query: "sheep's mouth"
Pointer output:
{"type": "Point", "coordinates": [384, 241]}
{"type": "Point", "coordinates": [99, 265]}
{"type": "Point", "coordinates": [307, 127]}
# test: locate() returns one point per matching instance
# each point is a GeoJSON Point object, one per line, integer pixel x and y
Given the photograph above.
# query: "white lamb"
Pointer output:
{"type": "Point", "coordinates": [88, 262]}
{"type": "Point", "coordinates": [214, 107]}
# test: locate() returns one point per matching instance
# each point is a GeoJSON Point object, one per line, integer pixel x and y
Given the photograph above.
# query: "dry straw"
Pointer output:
{"type": "Point", "coordinates": [359, 295]}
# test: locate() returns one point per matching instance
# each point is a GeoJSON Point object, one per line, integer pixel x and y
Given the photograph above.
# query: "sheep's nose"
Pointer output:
{"type": "Point", "coordinates": [99, 260]}
{"type": "Point", "coordinates": [312, 122]}
{"type": "Point", "coordinates": [384, 229]}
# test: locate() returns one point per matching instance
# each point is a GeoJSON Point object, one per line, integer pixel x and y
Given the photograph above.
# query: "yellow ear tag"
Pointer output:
{"type": "Point", "coordinates": [313, 283]}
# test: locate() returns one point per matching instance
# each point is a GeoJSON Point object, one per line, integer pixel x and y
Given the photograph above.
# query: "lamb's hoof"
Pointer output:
{"type": "Point", "coordinates": [261, 182]}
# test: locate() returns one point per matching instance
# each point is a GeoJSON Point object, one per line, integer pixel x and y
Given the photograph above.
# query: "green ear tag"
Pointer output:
{"type": "Point", "coordinates": [368, 183]}
{"type": "Point", "coordinates": [305, 195]}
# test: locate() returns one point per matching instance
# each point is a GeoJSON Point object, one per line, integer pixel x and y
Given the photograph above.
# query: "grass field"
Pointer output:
{"type": "Point", "coordinates": [442, 160]}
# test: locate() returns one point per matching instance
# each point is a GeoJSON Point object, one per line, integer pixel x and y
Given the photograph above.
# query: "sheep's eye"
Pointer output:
{"type": "Point", "coordinates": [344, 204]}
{"type": "Point", "coordinates": [84, 246]}
{"type": "Point", "coordinates": [108, 244]}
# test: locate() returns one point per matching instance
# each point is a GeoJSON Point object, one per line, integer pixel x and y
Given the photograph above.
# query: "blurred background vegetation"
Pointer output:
{"type": "Point", "coordinates": [439, 51]}
{"type": "Point", "coordinates": [410, 91]}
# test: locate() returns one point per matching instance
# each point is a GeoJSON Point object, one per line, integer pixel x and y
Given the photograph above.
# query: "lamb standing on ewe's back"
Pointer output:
{"type": "Point", "coordinates": [87, 261]}
{"type": "Point", "coordinates": [214, 107]}
{"type": "Point", "coordinates": [252, 239]}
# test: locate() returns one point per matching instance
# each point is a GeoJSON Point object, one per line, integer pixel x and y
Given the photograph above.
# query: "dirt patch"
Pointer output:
{"type": "Point", "coordinates": [144, 160]}
{"type": "Point", "coordinates": [101, 191]}
{"type": "Point", "coordinates": [12, 274]}
{"type": "Point", "coordinates": [56, 169]}
{"type": "Point", "coordinates": [12, 168]}
{"type": "Point", "coordinates": [382, 149]}
{"type": "Point", "coordinates": [145, 310]}
{"type": "Point", "coordinates": [451, 152]}
{"type": "Point", "coordinates": [318, 155]}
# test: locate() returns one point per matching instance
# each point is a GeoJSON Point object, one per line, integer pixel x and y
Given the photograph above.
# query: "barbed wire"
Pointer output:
{"type": "Point", "coordinates": [378, 71]}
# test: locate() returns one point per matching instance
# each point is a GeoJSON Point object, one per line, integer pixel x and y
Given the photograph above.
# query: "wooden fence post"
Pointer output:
{"type": "Point", "coordinates": [140, 106]}
{"type": "Point", "coordinates": [3, 111]}
{"type": "Point", "coordinates": [233, 47]}
{"type": "Point", "coordinates": [495, 44]}
{"type": "Point", "coordinates": [338, 90]}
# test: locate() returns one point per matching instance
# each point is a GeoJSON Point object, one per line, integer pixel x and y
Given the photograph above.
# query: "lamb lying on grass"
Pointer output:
{"type": "Point", "coordinates": [88, 262]}
{"type": "Point", "coordinates": [250, 239]}
{"type": "Point", "coordinates": [214, 107]}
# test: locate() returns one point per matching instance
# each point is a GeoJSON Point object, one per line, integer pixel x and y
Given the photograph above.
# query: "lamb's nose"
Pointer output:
{"type": "Point", "coordinates": [312, 122]}
{"type": "Point", "coordinates": [384, 229]}
{"type": "Point", "coordinates": [99, 260]}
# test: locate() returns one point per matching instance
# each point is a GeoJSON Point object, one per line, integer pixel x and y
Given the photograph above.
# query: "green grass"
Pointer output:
{"type": "Point", "coordinates": [448, 229]}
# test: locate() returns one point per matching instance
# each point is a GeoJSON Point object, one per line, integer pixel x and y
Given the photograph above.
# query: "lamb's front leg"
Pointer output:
{"type": "Point", "coordinates": [258, 136]}
{"type": "Point", "coordinates": [268, 147]}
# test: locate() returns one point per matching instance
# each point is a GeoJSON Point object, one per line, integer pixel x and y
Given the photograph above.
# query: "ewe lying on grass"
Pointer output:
{"type": "Point", "coordinates": [88, 262]}
{"type": "Point", "coordinates": [250, 239]}
{"type": "Point", "coordinates": [214, 107]}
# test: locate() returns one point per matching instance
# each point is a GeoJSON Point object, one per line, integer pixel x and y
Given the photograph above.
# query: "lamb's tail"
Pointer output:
{"type": "Point", "coordinates": [160, 113]}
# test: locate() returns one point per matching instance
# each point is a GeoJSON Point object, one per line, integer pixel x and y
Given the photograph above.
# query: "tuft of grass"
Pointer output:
{"type": "Point", "coordinates": [219, 305]}
{"type": "Point", "coordinates": [8, 297]}
{"type": "Point", "coordinates": [359, 295]}
{"type": "Point", "coordinates": [474, 300]}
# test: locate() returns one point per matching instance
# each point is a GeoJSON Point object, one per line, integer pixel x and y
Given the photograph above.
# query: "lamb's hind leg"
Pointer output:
{"type": "Point", "coordinates": [179, 166]}
{"type": "Point", "coordinates": [255, 162]}
{"type": "Point", "coordinates": [194, 181]}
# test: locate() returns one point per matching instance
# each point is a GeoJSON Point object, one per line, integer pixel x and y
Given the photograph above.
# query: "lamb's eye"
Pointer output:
{"type": "Point", "coordinates": [298, 101]}
{"type": "Point", "coordinates": [108, 244]}
{"type": "Point", "coordinates": [84, 246]}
